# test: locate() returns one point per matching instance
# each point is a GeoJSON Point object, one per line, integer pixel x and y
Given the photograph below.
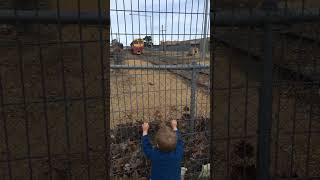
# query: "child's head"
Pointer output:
{"type": "Point", "coordinates": [166, 139]}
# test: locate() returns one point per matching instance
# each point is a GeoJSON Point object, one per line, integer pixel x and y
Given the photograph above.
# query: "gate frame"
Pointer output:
{"type": "Point", "coordinates": [265, 18]}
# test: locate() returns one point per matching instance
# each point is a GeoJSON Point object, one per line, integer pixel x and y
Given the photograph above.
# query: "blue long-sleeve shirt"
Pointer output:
{"type": "Point", "coordinates": [165, 165]}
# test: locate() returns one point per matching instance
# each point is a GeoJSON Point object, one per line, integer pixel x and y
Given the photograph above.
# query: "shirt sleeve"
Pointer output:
{"type": "Point", "coordinates": [147, 147]}
{"type": "Point", "coordinates": [179, 146]}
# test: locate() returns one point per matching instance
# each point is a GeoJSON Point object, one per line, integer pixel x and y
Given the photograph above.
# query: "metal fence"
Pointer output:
{"type": "Point", "coordinates": [265, 90]}
{"type": "Point", "coordinates": [253, 115]}
{"type": "Point", "coordinates": [54, 90]}
{"type": "Point", "coordinates": [167, 81]}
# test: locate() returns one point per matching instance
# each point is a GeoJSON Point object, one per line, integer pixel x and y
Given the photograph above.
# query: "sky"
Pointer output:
{"type": "Point", "coordinates": [181, 19]}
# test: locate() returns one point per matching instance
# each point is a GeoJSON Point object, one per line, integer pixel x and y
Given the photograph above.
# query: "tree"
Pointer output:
{"type": "Point", "coordinates": [114, 42]}
{"type": "Point", "coordinates": [147, 41]}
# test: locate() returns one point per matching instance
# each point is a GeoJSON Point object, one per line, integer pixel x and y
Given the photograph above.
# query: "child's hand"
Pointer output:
{"type": "Point", "coordinates": [145, 128]}
{"type": "Point", "coordinates": [174, 125]}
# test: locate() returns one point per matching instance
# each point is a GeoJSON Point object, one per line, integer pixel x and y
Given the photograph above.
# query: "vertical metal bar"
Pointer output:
{"type": "Point", "coordinates": [181, 85]}
{"type": "Point", "coordinates": [151, 25]}
{"type": "Point", "coordinates": [293, 135]}
{"type": "Point", "coordinates": [116, 76]}
{"type": "Point", "coordinates": [195, 37]}
{"type": "Point", "coordinates": [45, 109]}
{"type": "Point", "coordinates": [139, 18]}
{"type": "Point", "coordinates": [311, 115]}
{"type": "Point", "coordinates": [212, 65]}
{"type": "Point", "coordinates": [134, 60]}
{"type": "Point", "coordinates": [148, 88]}
{"type": "Point", "coordinates": [20, 59]}
{"type": "Point", "coordinates": [245, 126]}
{"type": "Point", "coordinates": [265, 108]}
{"type": "Point", "coordinates": [312, 105]}
{"type": "Point", "coordinates": [202, 29]}
{"type": "Point", "coordinates": [84, 94]}
{"type": "Point", "coordinates": [191, 21]}
{"type": "Point", "coordinates": [5, 130]}
{"type": "Point", "coordinates": [193, 97]}
{"type": "Point", "coordinates": [45, 104]}
{"type": "Point", "coordinates": [121, 57]}
{"type": "Point", "coordinates": [275, 170]}
{"type": "Point", "coordinates": [112, 101]}
{"type": "Point", "coordinates": [277, 134]}
{"type": "Point", "coordinates": [198, 5]}
{"type": "Point", "coordinates": [153, 72]}
{"type": "Point", "coordinates": [230, 58]}
{"type": "Point", "coordinates": [66, 117]}
{"type": "Point", "coordinates": [208, 48]}
{"type": "Point", "coordinates": [165, 72]}
{"type": "Point", "coordinates": [183, 55]}
{"type": "Point", "coordinates": [229, 114]}
{"type": "Point", "coordinates": [205, 31]}
{"type": "Point", "coordinates": [104, 90]}
{"type": "Point", "coordinates": [125, 30]}
{"type": "Point", "coordinates": [177, 58]}
{"type": "Point", "coordinates": [170, 94]}
{"type": "Point", "coordinates": [184, 25]}
{"type": "Point", "coordinates": [141, 74]}
{"type": "Point", "coordinates": [309, 139]}
{"type": "Point", "coordinates": [159, 54]}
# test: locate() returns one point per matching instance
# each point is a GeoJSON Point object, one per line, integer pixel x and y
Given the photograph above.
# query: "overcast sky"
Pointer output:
{"type": "Point", "coordinates": [178, 26]}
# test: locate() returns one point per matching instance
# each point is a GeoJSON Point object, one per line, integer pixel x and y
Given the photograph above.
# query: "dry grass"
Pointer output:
{"type": "Point", "coordinates": [139, 93]}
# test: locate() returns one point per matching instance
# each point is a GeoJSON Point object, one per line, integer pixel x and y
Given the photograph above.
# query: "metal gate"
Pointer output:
{"type": "Point", "coordinates": [168, 80]}
{"type": "Point", "coordinates": [54, 90]}
{"type": "Point", "coordinates": [265, 89]}
{"type": "Point", "coordinates": [253, 115]}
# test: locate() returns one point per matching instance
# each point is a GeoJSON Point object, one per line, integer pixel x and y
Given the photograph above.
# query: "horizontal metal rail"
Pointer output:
{"type": "Point", "coordinates": [222, 18]}
{"type": "Point", "coordinates": [259, 17]}
{"type": "Point", "coordinates": [52, 17]}
{"type": "Point", "coordinates": [161, 67]}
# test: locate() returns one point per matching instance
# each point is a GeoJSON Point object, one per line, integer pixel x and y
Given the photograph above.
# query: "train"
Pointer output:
{"type": "Point", "coordinates": [137, 46]}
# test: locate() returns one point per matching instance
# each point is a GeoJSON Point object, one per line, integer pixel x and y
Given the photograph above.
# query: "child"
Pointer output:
{"type": "Point", "coordinates": [167, 156]}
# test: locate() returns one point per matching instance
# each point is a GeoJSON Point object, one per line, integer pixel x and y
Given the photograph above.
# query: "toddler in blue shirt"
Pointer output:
{"type": "Point", "coordinates": [166, 157]}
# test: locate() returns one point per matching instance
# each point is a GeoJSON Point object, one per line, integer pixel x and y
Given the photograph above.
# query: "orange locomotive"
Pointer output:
{"type": "Point", "coordinates": [137, 46]}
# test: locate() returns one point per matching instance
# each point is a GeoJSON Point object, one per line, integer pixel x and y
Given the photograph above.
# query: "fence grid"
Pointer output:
{"type": "Point", "coordinates": [74, 89]}
{"type": "Point", "coordinates": [162, 83]}
{"type": "Point", "coordinates": [266, 61]}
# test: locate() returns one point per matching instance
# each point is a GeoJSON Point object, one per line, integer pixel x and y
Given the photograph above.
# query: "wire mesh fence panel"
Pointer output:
{"type": "Point", "coordinates": [246, 101]}
{"type": "Point", "coordinates": [159, 72]}
{"type": "Point", "coordinates": [265, 90]}
{"type": "Point", "coordinates": [53, 90]}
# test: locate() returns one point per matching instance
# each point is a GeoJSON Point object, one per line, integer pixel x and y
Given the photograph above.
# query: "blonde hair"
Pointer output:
{"type": "Point", "coordinates": [166, 139]}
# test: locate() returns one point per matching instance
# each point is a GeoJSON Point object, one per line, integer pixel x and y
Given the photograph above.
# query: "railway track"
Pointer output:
{"type": "Point", "coordinates": [285, 65]}
{"type": "Point", "coordinates": [286, 68]}
{"type": "Point", "coordinates": [298, 72]}
{"type": "Point", "coordinates": [164, 60]}
{"type": "Point", "coordinates": [290, 77]}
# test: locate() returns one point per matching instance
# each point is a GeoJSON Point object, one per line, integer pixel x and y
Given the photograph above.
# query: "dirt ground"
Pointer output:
{"type": "Point", "coordinates": [59, 125]}
{"type": "Point", "coordinates": [242, 115]}
{"type": "Point", "coordinates": [140, 93]}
